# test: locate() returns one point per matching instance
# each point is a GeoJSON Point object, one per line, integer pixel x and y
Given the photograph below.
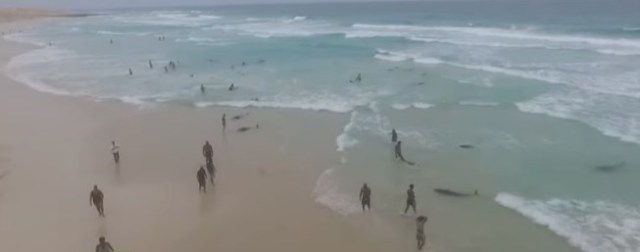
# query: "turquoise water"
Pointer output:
{"type": "Point", "coordinates": [548, 93]}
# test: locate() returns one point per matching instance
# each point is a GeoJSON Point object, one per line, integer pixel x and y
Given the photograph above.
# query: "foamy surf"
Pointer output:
{"type": "Point", "coordinates": [598, 226]}
{"type": "Point", "coordinates": [327, 193]}
{"type": "Point", "coordinates": [614, 119]}
{"type": "Point", "coordinates": [417, 105]}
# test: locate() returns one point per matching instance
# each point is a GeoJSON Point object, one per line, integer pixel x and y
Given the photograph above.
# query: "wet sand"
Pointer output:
{"type": "Point", "coordinates": [53, 149]}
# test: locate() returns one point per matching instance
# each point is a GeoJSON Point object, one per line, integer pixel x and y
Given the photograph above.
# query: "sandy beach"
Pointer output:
{"type": "Point", "coordinates": [53, 149]}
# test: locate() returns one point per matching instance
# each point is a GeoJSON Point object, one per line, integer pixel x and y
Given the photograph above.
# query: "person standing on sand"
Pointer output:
{"type": "Point", "coordinates": [103, 245]}
{"type": "Point", "coordinates": [207, 151]}
{"type": "Point", "coordinates": [365, 197]}
{"type": "Point", "coordinates": [411, 200]}
{"type": "Point", "coordinates": [394, 136]}
{"type": "Point", "coordinates": [224, 121]}
{"type": "Point", "coordinates": [212, 171]}
{"type": "Point", "coordinates": [420, 237]}
{"type": "Point", "coordinates": [115, 150]}
{"type": "Point", "coordinates": [202, 180]}
{"type": "Point", "coordinates": [96, 198]}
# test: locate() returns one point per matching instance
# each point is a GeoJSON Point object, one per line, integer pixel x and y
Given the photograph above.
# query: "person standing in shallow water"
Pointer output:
{"type": "Point", "coordinates": [411, 200]}
{"type": "Point", "coordinates": [103, 245]}
{"type": "Point", "coordinates": [202, 179]}
{"type": "Point", "coordinates": [130, 71]}
{"type": "Point", "coordinates": [96, 198]}
{"type": "Point", "coordinates": [365, 197]}
{"type": "Point", "coordinates": [420, 236]}
{"type": "Point", "coordinates": [394, 136]}
{"type": "Point", "coordinates": [115, 150]}
{"type": "Point", "coordinates": [202, 90]}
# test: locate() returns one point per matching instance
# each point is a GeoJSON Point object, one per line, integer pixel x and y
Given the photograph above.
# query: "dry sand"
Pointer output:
{"type": "Point", "coordinates": [53, 149]}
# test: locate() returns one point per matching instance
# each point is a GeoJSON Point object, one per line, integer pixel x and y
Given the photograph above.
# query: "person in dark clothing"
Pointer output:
{"type": "Point", "coordinates": [394, 136]}
{"type": "Point", "coordinates": [115, 150]}
{"type": "Point", "coordinates": [365, 197]}
{"type": "Point", "coordinates": [420, 236]}
{"type": "Point", "coordinates": [411, 200]}
{"type": "Point", "coordinates": [202, 90]}
{"type": "Point", "coordinates": [224, 121]}
{"type": "Point", "coordinates": [96, 198]}
{"type": "Point", "coordinates": [207, 151]}
{"type": "Point", "coordinates": [202, 179]}
{"type": "Point", "coordinates": [130, 71]}
{"type": "Point", "coordinates": [212, 171]}
{"type": "Point", "coordinates": [150, 65]}
{"type": "Point", "coordinates": [103, 245]}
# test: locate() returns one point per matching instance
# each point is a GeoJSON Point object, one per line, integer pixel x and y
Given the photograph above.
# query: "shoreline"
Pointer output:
{"type": "Point", "coordinates": [262, 195]}
{"type": "Point", "coordinates": [282, 142]}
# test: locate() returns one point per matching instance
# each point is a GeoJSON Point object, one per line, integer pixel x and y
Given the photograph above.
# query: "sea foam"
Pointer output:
{"type": "Point", "coordinates": [597, 226]}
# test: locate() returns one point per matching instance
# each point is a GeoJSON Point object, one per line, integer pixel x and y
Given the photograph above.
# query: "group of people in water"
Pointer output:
{"type": "Point", "coordinates": [365, 194]}
{"type": "Point", "coordinates": [209, 169]}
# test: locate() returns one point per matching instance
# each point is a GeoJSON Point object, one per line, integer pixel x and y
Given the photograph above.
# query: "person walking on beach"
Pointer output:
{"type": "Point", "coordinates": [365, 197]}
{"type": "Point", "coordinates": [115, 150]}
{"type": "Point", "coordinates": [420, 237]}
{"type": "Point", "coordinates": [394, 136]}
{"type": "Point", "coordinates": [224, 121]}
{"type": "Point", "coordinates": [96, 198]}
{"type": "Point", "coordinates": [202, 180]}
{"type": "Point", "coordinates": [411, 200]}
{"type": "Point", "coordinates": [398, 151]}
{"type": "Point", "coordinates": [207, 151]}
{"type": "Point", "coordinates": [212, 171]}
{"type": "Point", "coordinates": [103, 245]}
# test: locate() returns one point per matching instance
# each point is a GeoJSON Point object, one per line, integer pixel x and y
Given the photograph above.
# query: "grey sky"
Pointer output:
{"type": "Point", "coordinates": [100, 4]}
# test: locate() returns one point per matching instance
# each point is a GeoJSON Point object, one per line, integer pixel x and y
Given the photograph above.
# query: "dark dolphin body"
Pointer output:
{"type": "Point", "coordinates": [447, 192]}
{"type": "Point", "coordinates": [245, 129]}
{"type": "Point", "coordinates": [466, 146]}
{"type": "Point", "coordinates": [610, 168]}
{"type": "Point", "coordinates": [238, 117]}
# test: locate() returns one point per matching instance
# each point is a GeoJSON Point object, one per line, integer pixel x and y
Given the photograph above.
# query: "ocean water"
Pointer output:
{"type": "Point", "coordinates": [548, 93]}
